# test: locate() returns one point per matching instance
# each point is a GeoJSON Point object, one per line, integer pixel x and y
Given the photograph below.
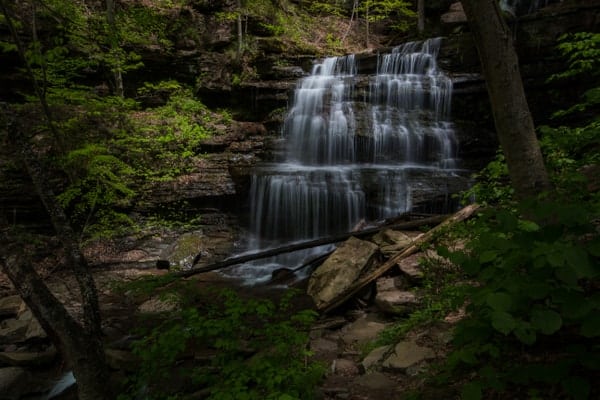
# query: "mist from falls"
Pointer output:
{"type": "Point", "coordinates": [350, 156]}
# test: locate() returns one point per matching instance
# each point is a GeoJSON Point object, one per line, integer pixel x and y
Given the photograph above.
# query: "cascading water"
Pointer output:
{"type": "Point", "coordinates": [350, 157]}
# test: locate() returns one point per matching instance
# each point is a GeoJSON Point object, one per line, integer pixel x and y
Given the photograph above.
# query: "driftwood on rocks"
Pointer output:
{"type": "Point", "coordinates": [378, 271]}
{"type": "Point", "coordinates": [433, 220]}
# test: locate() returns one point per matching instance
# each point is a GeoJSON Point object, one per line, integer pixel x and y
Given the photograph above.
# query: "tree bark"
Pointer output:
{"type": "Point", "coordinates": [117, 71]}
{"type": "Point", "coordinates": [512, 117]}
{"type": "Point", "coordinates": [420, 16]}
{"type": "Point", "coordinates": [80, 345]}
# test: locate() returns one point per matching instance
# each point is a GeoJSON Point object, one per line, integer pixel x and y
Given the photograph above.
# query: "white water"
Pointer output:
{"type": "Point", "coordinates": [349, 160]}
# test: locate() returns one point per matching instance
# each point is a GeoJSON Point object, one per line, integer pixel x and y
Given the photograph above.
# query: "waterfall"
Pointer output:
{"type": "Point", "coordinates": [350, 156]}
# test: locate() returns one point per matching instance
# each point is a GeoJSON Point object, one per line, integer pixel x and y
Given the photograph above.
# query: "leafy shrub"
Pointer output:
{"type": "Point", "coordinates": [536, 292]}
{"type": "Point", "coordinates": [259, 351]}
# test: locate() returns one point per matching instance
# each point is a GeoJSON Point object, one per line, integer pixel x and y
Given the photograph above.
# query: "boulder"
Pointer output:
{"type": "Point", "coordinates": [340, 270]}
{"type": "Point", "coordinates": [180, 254]}
{"type": "Point", "coordinates": [344, 367]}
{"type": "Point", "coordinates": [374, 357]}
{"type": "Point", "coordinates": [391, 241]}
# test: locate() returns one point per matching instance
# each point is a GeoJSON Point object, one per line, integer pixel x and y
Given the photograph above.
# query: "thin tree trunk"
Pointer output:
{"type": "Point", "coordinates": [421, 16]}
{"type": "Point", "coordinates": [117, 70]}
{"type": "Point", "coordinates": [367, 41]}
{"type": "Point", "coordinates": [239, 31]}
{"type": "Point", "coordinates": [512, 117]}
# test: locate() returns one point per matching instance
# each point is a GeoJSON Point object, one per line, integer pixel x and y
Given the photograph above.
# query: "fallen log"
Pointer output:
{"type": "Point", "coordinates": [383, 268]}
{"type": "Point", "coordinates": [306, 245]}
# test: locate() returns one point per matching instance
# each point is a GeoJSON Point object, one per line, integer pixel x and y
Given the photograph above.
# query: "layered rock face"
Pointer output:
{"type": "Point", "coordinates": [222, 178]}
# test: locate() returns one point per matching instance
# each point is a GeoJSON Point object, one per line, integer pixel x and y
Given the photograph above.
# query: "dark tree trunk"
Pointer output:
{"type": "Point", "coordinates": [79, 343]}
{"type": "Point", "coordinates": [512, 118]}
{"type": "Point", "coordinates": [420, 16]}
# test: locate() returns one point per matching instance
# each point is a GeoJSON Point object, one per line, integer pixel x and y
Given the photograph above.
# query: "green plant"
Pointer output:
{"type": "Point", "coordinates": [256, 350]}
{"type": "Point", "coordinates": [101, 186]}
{"type": "Point", "coordinates": [535, 292]}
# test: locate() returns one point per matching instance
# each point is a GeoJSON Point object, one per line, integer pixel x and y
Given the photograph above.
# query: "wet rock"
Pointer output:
{"type": "Point", "coordinates": [406, 355]}
{"type": "Point", "coordinates": [180, 254]}
{"type": "Point", "coordinates": [393, 300]}
{"type": "Point", "coordinates": [340, 270]}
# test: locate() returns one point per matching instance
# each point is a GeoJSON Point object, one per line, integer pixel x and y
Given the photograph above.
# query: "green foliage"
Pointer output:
{"type": "Point", "coordinates": [400, 11]}
{"type": "Point", "coordinates": [258, 351]}
{"type": "Point", "coordinates": [439, 293]}
{"type": "Point", "coordinates": [100, 187]}
{"type": "Point", "coordinates": [491, 184]}
{"type": "Point", "coordinates": [582, 53]}
{"type": "Point", "coordinates": [535, 283]}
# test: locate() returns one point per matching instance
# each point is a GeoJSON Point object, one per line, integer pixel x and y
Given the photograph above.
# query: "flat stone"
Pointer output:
{"type": "Point", "coordinates": [28, 359]}
{"type": "Point", "coordinates": [361, 331]}
{"type": "Point", "coordinates": [10, 306]}
{"type": "Point", "coordinates": [344, 367]}
{"type": "Point", "coordinates": [374, 357]}
{"type": "Point", "coordinates": [411, 267]}
{"type": "Point", "coordinates": [375, 381]}
{"type": "Point", "coordinates": [407, 354]}
{"type": "Point", "coordinates": [396, 301]}
{"type": "Point", "coordinates": [323, 346]}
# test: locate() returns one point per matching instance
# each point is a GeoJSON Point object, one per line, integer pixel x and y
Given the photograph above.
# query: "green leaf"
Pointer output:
{"type": "Point", "coordinates": [591, 325]}
{"type": "Point", "coordinates": [488, 256]}
{"type": "Point", "coordinates": [576, 387]}
{"type": "Point", "coordinates": [503, 322]}
{"type": "Point", "coordinates": [499, 301]}
{"type": "Point", "coordinates": [546, 321]}
{"type": "Point", "coordinates": [578, 259]}
{"type": "Point", "coordinates": [537, 291]}
{"type": "Point", "coordinates": [528, 226]}
{"type": "Point", "coordinates": [472, 391]}
{"type": "Point", "coordinates": [525, 333]}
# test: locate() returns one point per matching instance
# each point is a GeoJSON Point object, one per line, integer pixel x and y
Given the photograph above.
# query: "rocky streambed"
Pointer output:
{"type": "Point", "coordinates": [342, 339]}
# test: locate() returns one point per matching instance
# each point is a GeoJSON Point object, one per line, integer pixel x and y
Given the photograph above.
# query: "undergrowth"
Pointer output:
{"type": "Point", "coordinates": [228, 347]}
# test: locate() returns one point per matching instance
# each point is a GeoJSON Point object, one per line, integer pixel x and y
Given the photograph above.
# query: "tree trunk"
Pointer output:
{"type": "Point", "coordinates": [512, 118]}
{"type": "Point", "coordinates": [421, 16]}
{"type": "Point", "coordinates": [239, 31]}
{"type": "Point", "coordinates": [117, 71]}
{"type": "Point", "coordinates": [82, 350]}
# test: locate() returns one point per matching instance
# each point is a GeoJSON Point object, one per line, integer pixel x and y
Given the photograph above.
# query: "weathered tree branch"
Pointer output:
{"type": "Point", "coordinates": [383, 268]}
{"type": "Point", "coordinates": [305, 245]}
